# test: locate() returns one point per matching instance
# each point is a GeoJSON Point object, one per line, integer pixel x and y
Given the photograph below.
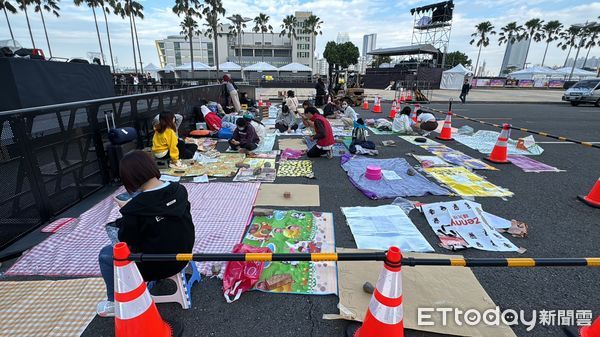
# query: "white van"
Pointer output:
{"type": "Point", "coordinates": [584, 91]}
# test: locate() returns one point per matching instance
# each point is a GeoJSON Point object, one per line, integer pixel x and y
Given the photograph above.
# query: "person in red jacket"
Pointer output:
{"type": "Point", "coordinates": [213, 122]}
{"type": "Point", "coordinates": [323, 134]}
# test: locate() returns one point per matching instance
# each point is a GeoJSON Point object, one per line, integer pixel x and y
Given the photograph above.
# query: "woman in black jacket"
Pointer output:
{"type": "Point", "coordinates": [321, 92]}
{"type": "Point", "coordinates": [156, 220]}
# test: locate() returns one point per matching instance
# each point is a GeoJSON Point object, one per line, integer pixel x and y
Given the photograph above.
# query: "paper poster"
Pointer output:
{"type": "Point", "coordinates": [390, 175]}
{"type": "Point", "coordinates": [467, 183]}
{"type": "Point", "coordinates": [431, 161]}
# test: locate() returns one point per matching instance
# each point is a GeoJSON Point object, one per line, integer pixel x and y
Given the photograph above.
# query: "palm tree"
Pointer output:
{"type": "Point", "coordinates": [237, 30]}
{"type": "Point", "coordinates": [23, 6]}
{"type": "Point", "coordinates": [190, 11]}
{"type": "Point", "coordinates": [483, 31]}
{"type": "Point", "coordinates": [49, 6]}
{"type": "Point", "coordinates": [213, 9]}
{"type": "Point", "coordinates": [569, 40]}
{"type": "Point", "coordinates": [533, 29]}
{"type": "Point", "coordinates": [510, 33]}
{"type": "Point", "coordinates": [288, 28]}
{"type": "Point", "coordinates": [8, 7]}
{"type": "Point", "coordinates": [312, 26]}
{"type": "Point", "coordinates": [131, 8]}
{"type": "Point", "coordinates": [591, 34]}
{"type": "Point", "coordinates": [551, 31]}
{"type": "Point", "coordinates": [136, 11]}
{"type": "Point", "coordinates": [106, 9]}
{"type": "Point", "coordinates": [262, 26]}
{"type": "Point", "coordinates": [93, 4]}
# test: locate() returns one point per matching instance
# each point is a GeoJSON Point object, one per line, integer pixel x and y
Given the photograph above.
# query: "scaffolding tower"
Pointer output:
{"type": "Point", "coordinates": [433, 25]}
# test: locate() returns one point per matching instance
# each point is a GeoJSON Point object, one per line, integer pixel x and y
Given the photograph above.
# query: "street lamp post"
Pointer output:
{"type": "Point", "coordinates": [582, 29]}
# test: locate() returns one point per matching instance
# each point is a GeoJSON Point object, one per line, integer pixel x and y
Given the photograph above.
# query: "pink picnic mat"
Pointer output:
{"type": "Point", "coordinates": [220, 211]}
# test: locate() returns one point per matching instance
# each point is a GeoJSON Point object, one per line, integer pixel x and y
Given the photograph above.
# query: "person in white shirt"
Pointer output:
{"type": "Point", "coordinates": [347, 114]}
{"type": "Point", "coordinates": [425, 123]}
{"type": "Point", "coordinates": [292, 103]}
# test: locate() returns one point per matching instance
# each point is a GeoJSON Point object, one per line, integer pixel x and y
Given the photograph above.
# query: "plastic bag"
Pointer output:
{"type": "Point", "coordinates": [242, 276]}
{"type": "Point", "coordinates": [404, 204]}
{"type": "Point", "coordinates": [466, 130]}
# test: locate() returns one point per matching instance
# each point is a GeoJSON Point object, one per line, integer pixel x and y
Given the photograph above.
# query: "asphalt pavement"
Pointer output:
{"type": "Point", "coordinates": [559, 226]}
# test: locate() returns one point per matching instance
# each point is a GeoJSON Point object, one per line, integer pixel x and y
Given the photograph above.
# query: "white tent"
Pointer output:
{"type": "Point", "coordinates": [197, 66]}
{"type": "Point", "coordinates": [169, 68]}
{"type": "Point", "coordinates": [151, 67]}
{"type": "Point", "coordinates": [228, 66]}
{"type": "Point", "coordinates": [295, 67]}
{"type": "Point", "coordinates": [534, 72]}
{"type": "Point", "coordinates": [454, 78]}
{"type": "Point", "coordinates": [260, 66]}
{"type": "Point", "coordinates": [577, 72]}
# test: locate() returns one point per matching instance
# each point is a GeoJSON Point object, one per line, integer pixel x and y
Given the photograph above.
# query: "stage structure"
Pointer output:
{"type": "Point", "coordinates": [433, 25]}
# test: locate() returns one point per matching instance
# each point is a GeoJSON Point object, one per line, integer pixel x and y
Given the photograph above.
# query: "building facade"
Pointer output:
{"type": "Point", "coordinates": [369, 43]}
{"type": "Point", "coordinates": [245, 50]}
{"type": "Point", "coordinates": [514, 57]}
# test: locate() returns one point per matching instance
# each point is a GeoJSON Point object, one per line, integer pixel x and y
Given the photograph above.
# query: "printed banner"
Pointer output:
{"type": "Point", "coordinates": [467, 183]}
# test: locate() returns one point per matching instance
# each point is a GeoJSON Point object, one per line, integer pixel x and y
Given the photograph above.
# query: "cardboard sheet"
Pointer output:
{"type": "Point", "coordinates": [292, 143]}
{"type": "Point", "coordinates": [422, 286]}
{"type": "Point", "coordinates": [300, 195]}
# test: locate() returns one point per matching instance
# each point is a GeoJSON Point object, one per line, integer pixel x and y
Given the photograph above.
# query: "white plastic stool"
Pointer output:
{"type": "Point", "coordinates": [183, 293]}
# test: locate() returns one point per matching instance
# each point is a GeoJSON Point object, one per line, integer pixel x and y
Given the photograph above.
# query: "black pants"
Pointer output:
{"type": "Point", "coordinates": [249, 146]}
{"type": "Point", "coordinates": [319, 100]}
{"type": "Point", "coordinates": [463, 97]}
{"type": "Point", "coordinates": [282, 128]}
{"type": "Point", "coordinates": [315, 152]}
{"type": "Point", "coordinates": [186, 151]}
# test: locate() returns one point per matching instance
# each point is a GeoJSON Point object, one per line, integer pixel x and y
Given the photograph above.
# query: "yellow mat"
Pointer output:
{"type": "Point", "coordinates": [225, 166]}
{"type": "Point", "coordinates": [467, 183]}
{"type": "Point", "coordinates": [49, 308]}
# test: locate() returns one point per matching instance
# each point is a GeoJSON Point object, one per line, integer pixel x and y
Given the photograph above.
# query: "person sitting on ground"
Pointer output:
{"type": "Point", "coordinates": [213, 122]}
{"type": "Point", "coordinates": [323, 134]}
{"type": "Point", "coordinates": [155, 220]}
{"type": "Point", "coordinates": [245, 100]}
{"type": "Point", "coordinates": [178, 121]}
{"type": "Point", "coordinates": [330, 109]}
{"type": "Point", "coordinates": [259, 127]}
{"type": "Point", "coordinates": [244, 137]}
{"type": "Point", "coordinates": [425, 123]}
{"type": "Point", "coordinates": [292, 102]}
{"type": "Point", "coordinates": [402, 123]}
{"type": "Point", "coordinates": [165, 142]}
{"type": "Point", "coordinates": [286, 120]}
{"type": "Point", "coordinates": [347, 114]}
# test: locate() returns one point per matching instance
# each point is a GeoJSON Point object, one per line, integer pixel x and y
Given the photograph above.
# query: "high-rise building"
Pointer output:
{"type": "Point", "coordinates": [255, 47]}
{"type": "Point", "coordinates": [369, 43]}
{"type": "Point", "coordinates": [342, 37]}
{"type": "Point", "coordinates": [514, 57]}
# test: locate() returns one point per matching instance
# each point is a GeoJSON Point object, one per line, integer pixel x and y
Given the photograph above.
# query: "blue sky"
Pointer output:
{"type": "Point", "coordinates": [73, 34]}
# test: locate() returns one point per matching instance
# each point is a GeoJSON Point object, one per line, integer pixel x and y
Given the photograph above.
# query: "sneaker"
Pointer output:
{"type": "Point", "coordinates": [106, 309]}
{"type": "Point", "coordinates": [329, 154]}
{"type": "Point", "coordinates": [178, 165]}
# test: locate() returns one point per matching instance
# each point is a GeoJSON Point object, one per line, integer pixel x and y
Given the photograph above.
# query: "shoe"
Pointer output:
{"type": "Point", "coordinates": [106, 309]}
{"type": "Point", "coordinates": [178, 165]}
{"type": "Point", "coordinates": [426, 133]}
{"type": "Point", "coordinates": [329, 154]}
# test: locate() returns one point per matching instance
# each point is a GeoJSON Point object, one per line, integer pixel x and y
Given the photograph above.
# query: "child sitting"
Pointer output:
{"type": "Point", "coordinates": [286, 120]}
{"type": "Point", "coordinates": [402, 123]}
{"type": "Point", "coordinates": [165, 142]}
{"type": "Point", "coordinates": [244, 136]}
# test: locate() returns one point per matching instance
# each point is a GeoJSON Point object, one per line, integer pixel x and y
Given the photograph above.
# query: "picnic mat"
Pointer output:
{"type": "Point", "coordinates": [430, 161]}
{"type": "Point", "coordinates": [340, 131]}
{"type": "Point", "coordinates": [204, 144]}
{"type": "Point", "coordinates": [221, 166]}
{"type": "Point", "coordinates": [531, 165]}
{"type": "Point", "coordinates": [395, 181]}
{"type": "Point", "coordinates": [220, 212]}
{"type": "Point", "coordinates": [295, 168]}
{"type": "Point", "coordinates": [260, 169]}
{"type": "Point", "coordinates": [295, 232]}
{"type": "Point", "coordinates": [384, 226]}
{"type": "Point", "coordinates": [466, 183]}
{"type": "Point", "coordinates": [411, 139]}
{"type": "Point", "coordinates": [271, 154]}
{"type": "Point", "coordinates": [300, 195]}
{"type": "Point", "coordinates": [422, 287]}
{"type": "Point", "coordinates": [267, 143]}
{"type": "Point", "coordinates": [49, 308]}
{"type": "Point", "coordinates": [292, 143]}
{"type": "Point", "coordinates": [376, 131]}
{"type": "Point", "coordinates": [485, 140]}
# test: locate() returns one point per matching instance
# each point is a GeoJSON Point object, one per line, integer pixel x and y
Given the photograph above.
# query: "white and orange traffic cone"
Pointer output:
{"type": "Point", "coordinates": [260, 101]}
{"type": "Point", "coordinates": [499, 153]}
{"type": "Point", "coordinates": [402, 95]}
{"type": "Point", "coordinates": [408, 96]}
{"type": "Point", "coordinates": [413, 114]}
{"type": "Point", "coordinates": [393, 110]}
{"type": "Point", "coordinates": [446, 133]}
{"type": "Point", "coordinates": [365, 104]}
{"type": "Point", "coordinates": [592, 199]}
{"type": "Point", "coordinates": [377, 105]}
{"type": "Point", "coordinates": [592, 330]}
{"type": "Point", "coordinates": [385, 316]}
{"type": "Point", "coordinates": [135, 311]}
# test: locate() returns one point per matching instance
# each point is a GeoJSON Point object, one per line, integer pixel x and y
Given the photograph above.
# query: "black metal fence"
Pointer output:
{"type": "Point", "coordinates": [52, 157]}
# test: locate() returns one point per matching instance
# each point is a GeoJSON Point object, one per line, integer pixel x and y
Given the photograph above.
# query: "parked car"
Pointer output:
{"type": "Point", "coordinates": [584, 91]}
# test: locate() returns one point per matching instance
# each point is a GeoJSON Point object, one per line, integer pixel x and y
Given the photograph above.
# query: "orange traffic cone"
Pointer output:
{"type": "Point", "coordinates": [377, 105]}
{"type": "Point", "coordinates": [402, 95]}
{"type": "Point", "coordinates": [500, 151]}
{"type": "Point", "coordinates": [366, 104]}
{"type": "Point", "coordinates": [447, 129]}
{"type": "Point", "coordinates": [413, 114]}
{"type": "Point", "coordinates": [260, 102]}
{"type": "Point", "coordinates": [393, 110]}
{"type": "Point", "coordinates": [135, 311]}
{"type": "Point", "coordinates": [592, 330]}
{"type": "Point", "coordinates": [385, 316]}
{"type": "Point", "coordinates": [408, 96]}
{"type": "Point", "coordinates": [593, 199]}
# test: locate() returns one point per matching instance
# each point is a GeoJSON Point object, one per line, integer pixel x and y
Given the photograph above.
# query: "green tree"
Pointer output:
{"type": "Point", "coordinates": [312, 26]}
{"type": "Point", "coordinates": [510, 33]}
{"type": "Point", "coordinates": [455, 58]}
{"type": "Point", "coordinates": [569, 40]}
{"type": "Point", "coordinates": [213, 9]}
{"type": "Point", "coordinates": [481, 38]}
{"type": "Point", "coordinates": [288, 27]}
{"type": "Point", "coordinates": [6, 7]}
{"type": "Point", "coordinates": [591, 36]}
{"type": "Point", "coordinates": [190, 10]}
{"type": "Point", "coordinates": [533, 32]}
{"type": "Point", "coordinates": [23, 6]}
{"type": "Point", "coordinates": [93, 4]}
{"type": "Point", "coordinates": [379, 60]}
{"type": "Point", "coordinates": [348, 54]}
{"type": "Point", "coordinates": [261, 25]}
{"type": "Point", "coordinates": [550, 33]}
{"type": "Point", "coordinates": [331, 55]}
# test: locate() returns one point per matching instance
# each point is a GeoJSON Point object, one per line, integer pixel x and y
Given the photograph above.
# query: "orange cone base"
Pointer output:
{"type": "Point", "coordinates": [392, 114]}
{"type": "Point", "coordinates": [374, 328]}
{"type": "Point", "coordinates": [444, 139]}
{"type": "Point", "coordinates": [496, 161]}
{"type": "Point", "coordinates": [588, 201]}
{"type": "Point", "coordinates": [148, 324]}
